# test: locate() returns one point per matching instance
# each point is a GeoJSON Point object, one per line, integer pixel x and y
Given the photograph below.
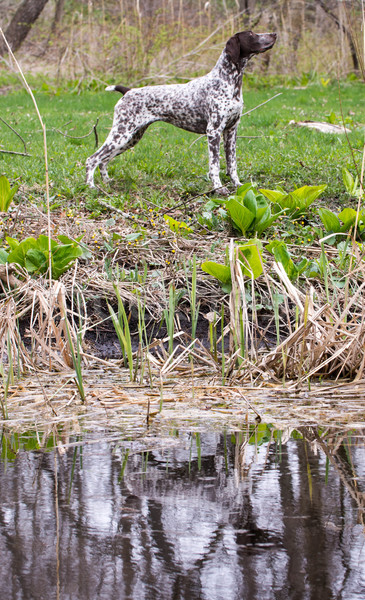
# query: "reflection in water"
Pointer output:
{"type": "Point", "coordinates": [210, 516]}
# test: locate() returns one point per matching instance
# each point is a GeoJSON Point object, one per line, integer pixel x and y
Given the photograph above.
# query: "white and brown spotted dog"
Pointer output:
{"type": "Point", "coordinates": [210, 105]}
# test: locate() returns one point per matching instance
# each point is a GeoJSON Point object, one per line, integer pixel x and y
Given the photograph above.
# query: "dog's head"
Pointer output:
{"type": "Point", "coordinates": [246, 44]}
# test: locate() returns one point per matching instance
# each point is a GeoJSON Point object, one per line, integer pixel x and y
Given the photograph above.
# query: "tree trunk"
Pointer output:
{"type": "Point", "coordinates": [58, 15]}
{"type": "Point", "coordinates": [21, 23]}
{"type": "Point", "coordinates": [355, 60]}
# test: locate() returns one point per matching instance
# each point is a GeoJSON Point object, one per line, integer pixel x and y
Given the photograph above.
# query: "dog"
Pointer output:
{"type": "Point", "coordinates": [210, 105]}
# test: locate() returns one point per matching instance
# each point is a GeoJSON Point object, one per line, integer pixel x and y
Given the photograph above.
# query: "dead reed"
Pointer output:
{"type": "Point", "coordinates": [317, 332]}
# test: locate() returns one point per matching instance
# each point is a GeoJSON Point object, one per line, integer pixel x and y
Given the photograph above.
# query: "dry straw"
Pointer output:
{"type": "Point", "coordinates": [49, 329]}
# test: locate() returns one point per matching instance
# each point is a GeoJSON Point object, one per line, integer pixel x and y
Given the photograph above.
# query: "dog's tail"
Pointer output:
{"type": "Point", "coordinates": [117, 88]}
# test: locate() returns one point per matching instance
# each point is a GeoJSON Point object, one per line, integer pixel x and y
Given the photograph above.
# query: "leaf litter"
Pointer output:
{"type": "Point", "coordinates": [115, 404]}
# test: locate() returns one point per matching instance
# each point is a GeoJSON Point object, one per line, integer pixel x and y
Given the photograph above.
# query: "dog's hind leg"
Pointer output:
{"type": "Point", "coordinates": [114, 145]}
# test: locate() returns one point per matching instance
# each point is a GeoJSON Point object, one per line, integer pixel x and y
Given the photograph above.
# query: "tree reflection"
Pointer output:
{"type": "Point", "coordinates": [252, 515]}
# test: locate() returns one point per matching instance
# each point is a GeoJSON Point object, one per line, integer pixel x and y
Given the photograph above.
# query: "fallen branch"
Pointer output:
{"type": "Point", "coordinates": [81, 137]}
{"type": "Point", "coordinates": [13, 152]}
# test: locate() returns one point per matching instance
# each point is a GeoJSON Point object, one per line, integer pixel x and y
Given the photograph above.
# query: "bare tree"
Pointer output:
{"type": "Point", "coordinates": [20, 25]}
{"type": "Point", "coordinates": [355, 61]}
{"type": "Point", "coordinates": [58, 15]}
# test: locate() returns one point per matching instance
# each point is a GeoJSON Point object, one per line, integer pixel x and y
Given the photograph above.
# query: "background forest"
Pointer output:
{"type": "Point", "coordinates": [140, 41]}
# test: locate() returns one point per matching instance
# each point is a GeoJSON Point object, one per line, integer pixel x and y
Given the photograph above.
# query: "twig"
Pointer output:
{"type": "Point", "coordinates": [13, 152]}
{"type": "Point", "coordinates": [81, 137]}
{"type": "Point", "coordinates": [187, 200]}
{"type": "Point", "coordinates": [117, 210]}
{"type": "Point", "coordinates": [16, 133]}
{"type": "Point", "coordinates": [262, 104]}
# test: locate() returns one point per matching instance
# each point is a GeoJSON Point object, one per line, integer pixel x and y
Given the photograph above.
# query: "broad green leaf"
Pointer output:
{"type": "Point", "coordinates": [274, 195]}
{"type": "Point", "coordinates": [85, 252]}
{"type": "Point", "coordinates": [10, 196]}
{"type": "Point", "coordinates": [33, 254]}
{"type": "Point", "coordinates": [3, 256]}
{"type": "Point", "coordinates": [42, 244]}
{"type": "Point", "coordinates": [13, 243]}
{"type": "Point", "coordinates": [302, 266]}
{"type": "Point", "coordinates": [6, 194]}
{"type": "Point", "coordinates": [65, 240]}
{"type": "Point", "coordinates": [263, 214]}
{"type": "Point", "coordinates": [62, 257]}
{"type": "Point", "coordinates": [243, 189]}
{"type": "Point", "coordinates": [220, 272]}
{"type": "Point", "coordinates": [296, 201]}
{"type": "Point", "coordinates": [265, 224]}
{"type": "Point", "coordinates": [281, 254]}
{"type": "Point", "coordinates": [19, 253]}
{"type": "Point", "coordinates": [261, 201]}
{"type": "Point", "coordinates": [348, 217]}
{"type": "Point", "coordinates": [250, 202]}
{"type": "Point", "coordinates": [4, 188]}
{"type": "Point", "coordinates": [251, 261]}
{"type": "Point", "coordinates": [348, 181]}
{"type": "Point", "coordinates": [307, 194]}
{"type": "Point", "coordinates": [130, 237]}
{"type": "Point", "coordinates": [329, 220]}
{"type": "Point", "coordinates": [241, 216]}
{"type": "Point", "coordinates": [35, 261]}
{"type": "Point", "coordinates": [279, 250]}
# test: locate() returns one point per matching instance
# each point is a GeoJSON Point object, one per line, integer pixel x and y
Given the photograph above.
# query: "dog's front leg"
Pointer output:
{"type": "Point", "coordinates": [214, 138]}
{"type": "Point", "coordinates": [230, 138]}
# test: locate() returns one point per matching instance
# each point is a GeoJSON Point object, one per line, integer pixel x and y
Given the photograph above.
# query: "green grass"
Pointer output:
{"type": "Point", "coordinates": [165, 165]}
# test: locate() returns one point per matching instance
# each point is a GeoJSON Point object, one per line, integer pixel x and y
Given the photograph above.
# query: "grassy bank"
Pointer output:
{"type": "Point", "coordinates": [169, 162]}
{"type": "Point", "coordinates": [161, 225]}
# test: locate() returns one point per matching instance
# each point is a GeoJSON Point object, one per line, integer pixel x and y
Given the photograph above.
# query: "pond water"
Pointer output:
{"type": "Point", "coordinates": [257, 514]}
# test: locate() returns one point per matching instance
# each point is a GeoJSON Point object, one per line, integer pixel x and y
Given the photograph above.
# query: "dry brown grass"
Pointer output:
{"type": "Point", "coordinates": [325, 340]}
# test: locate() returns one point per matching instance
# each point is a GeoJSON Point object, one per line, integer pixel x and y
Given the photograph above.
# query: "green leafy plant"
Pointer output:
{"type": "Point", "coordinates": [282, 255]}
{"type": "Point", "coordinates": [325, 82]}
{"type": "Point", "coordinates": [33, 254]}
{"type": "Point", "coordinates": [294, 203]}
{"type": "Point", "coordinates": [352, 185]}
{"type": "Point", "coordinates": [76, 355]}
{"type": "Point", "coordinates": [249, 211]}
{"type": "Point", "coordinates": [338, 119]}
{"type": "Point", "coordinates": [192, 292]}
{"type": "Point", "coordinates": [250, 258]}
{"type": "Point", "coordinates": [212, 214]}
{"type": "Point", "coordinates": [175, 295]}
{"type": "Point", "coordinates": [342, 224]}
{"type": "Point", "coordinates": [220, 272]}
{"type": "Point", "coordinates": [121, 326]}
{"type": "Point", "coordinates": [6, 193]}
{"type": "Point", "coordinates": [177, 226]}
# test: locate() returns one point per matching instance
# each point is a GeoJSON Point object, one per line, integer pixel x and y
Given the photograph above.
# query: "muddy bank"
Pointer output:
{"type": "Point", "coordinates": [104, 343]}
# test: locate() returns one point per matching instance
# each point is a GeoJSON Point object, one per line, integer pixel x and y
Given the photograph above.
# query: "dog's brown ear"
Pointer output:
{"type": "Point", "coordinates": [233, 48]}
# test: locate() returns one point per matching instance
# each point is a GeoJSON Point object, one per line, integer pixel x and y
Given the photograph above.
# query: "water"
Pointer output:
{"type": "Point", "coordinates": [255, 515]}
